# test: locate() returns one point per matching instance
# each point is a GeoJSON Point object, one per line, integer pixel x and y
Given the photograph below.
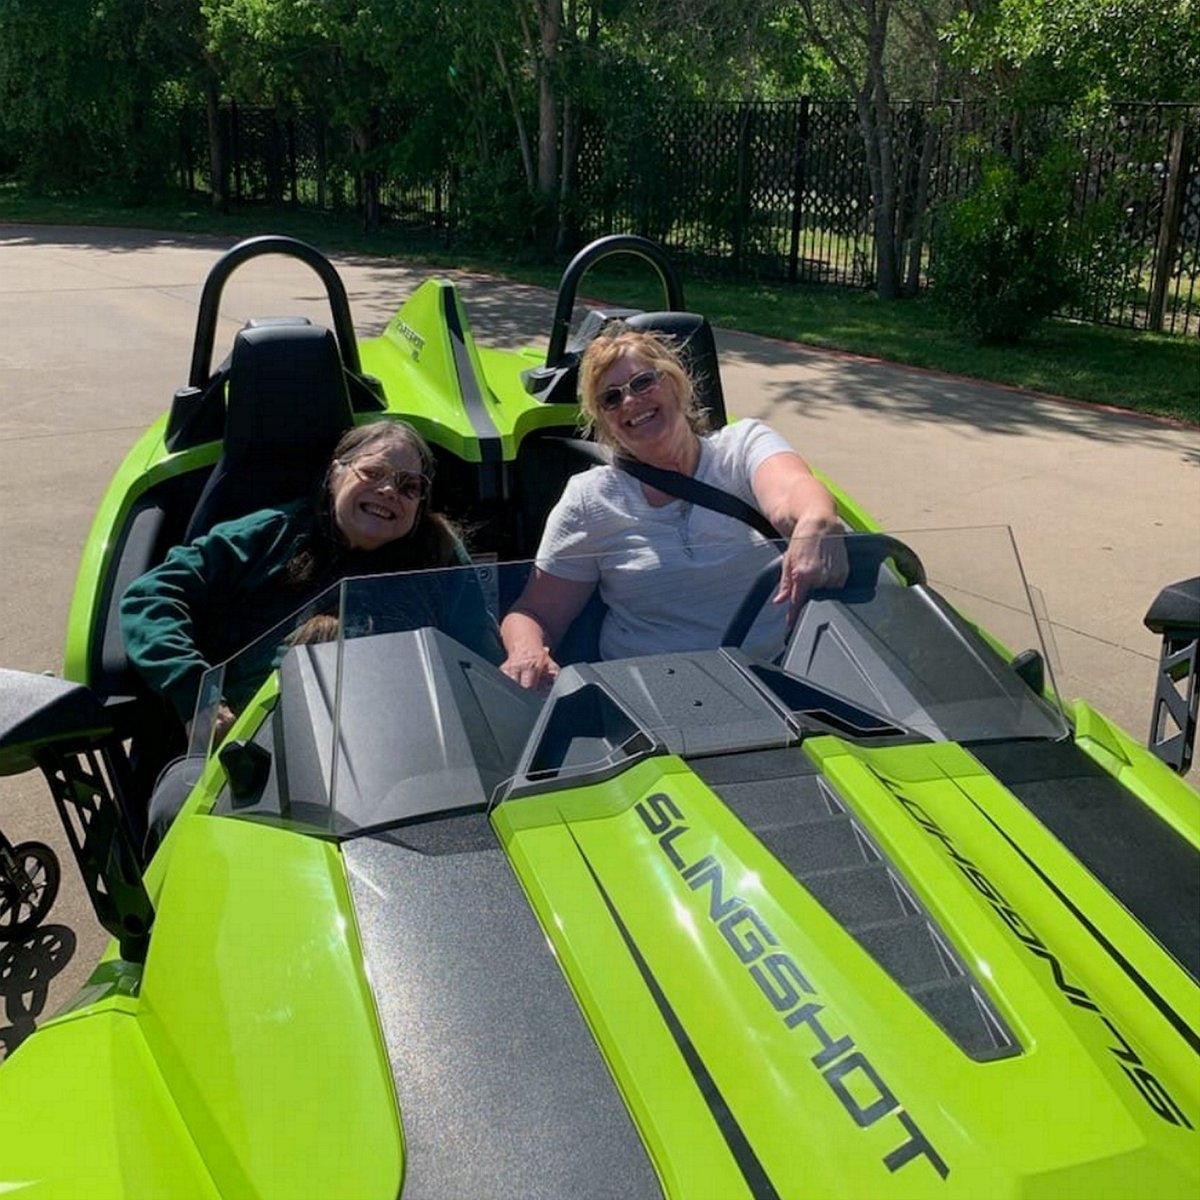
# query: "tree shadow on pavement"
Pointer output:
{"type": "Point", "coordinates": [824, 384]}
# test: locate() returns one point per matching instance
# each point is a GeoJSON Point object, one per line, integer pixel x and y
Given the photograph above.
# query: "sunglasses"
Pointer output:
{"type": "Point", "coordinates": [378, 474]}
{"type": "Point", "coordinates": [636, 385]}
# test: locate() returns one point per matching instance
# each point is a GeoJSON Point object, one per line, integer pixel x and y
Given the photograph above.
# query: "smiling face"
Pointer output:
{"type": "Point", "coordinates": [649, 420]}
{"type": "Point", "coordinates": [369, 508]}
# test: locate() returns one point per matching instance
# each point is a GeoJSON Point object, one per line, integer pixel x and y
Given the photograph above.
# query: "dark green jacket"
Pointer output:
{"type": "Point", "coordinates": [210, 599]}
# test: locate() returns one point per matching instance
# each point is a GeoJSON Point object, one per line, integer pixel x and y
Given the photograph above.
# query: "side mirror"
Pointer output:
{"type": "Point", "coordinates": [38, 712]}
{"type": "Point", "coordinates": [1175, 616]}
{"type": "Point", "coordinates": [62, 728]}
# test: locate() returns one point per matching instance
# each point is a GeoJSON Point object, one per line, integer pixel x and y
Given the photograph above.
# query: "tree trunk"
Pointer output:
{"type": "Point", "coordinates": [881, 156]}
{"type": "Point", "coordinates": [919, 223]}
{"type": "Point", "coordinates": [565, 236]}
{"type": "Point", "coordinates": [1168, 230]}
{"type": "Point", "coordinates": [322, 162]}
{"type": "Point", "coordinates": [518, 119]}
{"type": "Point", "coordinates": [883, 197]}
{"type": "Point", "coordinates": [568, 218]}
{"type": "Point", "coordinates": [366, 139]}
{"type": "Point", "coordinates": [216, 144]}
{"type": "Point", "coordinates": [550, 15]}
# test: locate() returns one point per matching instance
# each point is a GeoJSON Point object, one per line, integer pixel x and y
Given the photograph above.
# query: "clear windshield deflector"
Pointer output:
{"type": "Point", "coordinates": [945, 642]}
{"type": "Point", "coordinates": [384, 703]}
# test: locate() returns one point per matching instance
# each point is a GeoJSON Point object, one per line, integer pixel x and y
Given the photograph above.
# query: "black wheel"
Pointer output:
{"type": "Point", "coordinates": [27, 898]}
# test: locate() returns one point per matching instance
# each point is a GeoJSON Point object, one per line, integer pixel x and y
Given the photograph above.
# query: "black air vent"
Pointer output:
{"type": "Point", "coordinates": [781, 797]}
{"type": "Point", "coordinates": [1134, 853]}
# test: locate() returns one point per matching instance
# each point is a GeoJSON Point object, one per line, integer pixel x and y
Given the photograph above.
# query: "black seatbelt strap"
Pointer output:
{"type": "Point", "coordinates": [675, 483]}
{"type": "Point", "coordinates": [683, 487]}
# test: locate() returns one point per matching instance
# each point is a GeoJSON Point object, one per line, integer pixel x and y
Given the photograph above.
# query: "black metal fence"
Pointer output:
{"type": "Point", "coordinates": [780, 191]}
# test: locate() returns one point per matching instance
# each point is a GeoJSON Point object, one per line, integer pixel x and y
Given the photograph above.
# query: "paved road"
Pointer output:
{"type": "Point", "coordinates": [97, 335]}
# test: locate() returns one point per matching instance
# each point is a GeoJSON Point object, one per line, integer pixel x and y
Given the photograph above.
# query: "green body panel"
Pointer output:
{"type": "Point", "coordinates": [539, 836]}
{"type": "Point", "coordinates": [997, 1126]}
{"type": "Point", "coordinates": [147, 464]}
{"type": "Point", "coordinates": [256, 997]}
{"type": "Point", "coordinates": [414, 358]}
{"type": "Point", "coordinates": [112, 1131]}
{"type": "Point", "coordinates": [254, 1026]}
{"type": "Point", "coordinates": [938, 810]}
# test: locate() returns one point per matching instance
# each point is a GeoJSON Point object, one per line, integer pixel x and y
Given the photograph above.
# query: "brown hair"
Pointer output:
{"type": "Point", "coordinates": [616, 341]}
{"type": "Point", "coordinates": [432, 542]}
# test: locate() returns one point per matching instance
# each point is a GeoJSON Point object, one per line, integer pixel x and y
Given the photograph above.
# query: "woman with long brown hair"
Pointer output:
{"type": "Point", "coordinates": [214, 596]}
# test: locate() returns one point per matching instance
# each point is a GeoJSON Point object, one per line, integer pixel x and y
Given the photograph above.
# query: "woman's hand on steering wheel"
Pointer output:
{"type": "Point", "coordinates": [813, 559]}
{"type": "Point", "coordinates": [533, 668]}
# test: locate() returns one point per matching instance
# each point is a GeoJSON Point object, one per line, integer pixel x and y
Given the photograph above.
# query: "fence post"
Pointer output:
{"type": "Point", "coordinates": [798, 183]}
{"type": "Point", "coordinates": [1168, 229]}
{"type": "Point", "coordinates": [292, 171]}
{"type": "Point", "coordinates": [235, 139]}
{"type": "Point", "coordinates": [741, 199]}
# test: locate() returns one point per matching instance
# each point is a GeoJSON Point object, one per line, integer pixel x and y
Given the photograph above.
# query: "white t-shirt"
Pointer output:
{"type": "Point", "coordinates": [672, 576]}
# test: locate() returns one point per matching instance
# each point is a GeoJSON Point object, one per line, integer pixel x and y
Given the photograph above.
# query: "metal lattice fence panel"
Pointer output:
{"type": "Point", "coordinates": [781, 190]}
{"type": "Point", "coordinates": [832, 205]}
{"type": "Point", "coordinates": [748, 190]}
{"type": "Point", "coordinates": [1136, 183]}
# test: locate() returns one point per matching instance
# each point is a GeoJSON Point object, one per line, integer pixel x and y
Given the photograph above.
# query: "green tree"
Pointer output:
{"type": "Point", "coordinates": [369, 66]}
{"type": "Point", "coordinates": [84, 93]}
{"type": "Point", "coordinates": [1079, 51]}
{"type": "Point", "coordinates": [869, 45]}
{"type": "Point", "coordinates": [1006, 253]}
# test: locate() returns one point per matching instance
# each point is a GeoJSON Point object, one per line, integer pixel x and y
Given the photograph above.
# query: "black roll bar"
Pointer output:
{"type": "Point", "coordinates": [214, 285]}
{"type": "Point", "coordinates": [588, 257]}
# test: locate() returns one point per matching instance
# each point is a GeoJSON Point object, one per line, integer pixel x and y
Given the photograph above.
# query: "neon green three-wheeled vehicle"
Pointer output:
{"type": "Point", "coordinates": [869, 911]}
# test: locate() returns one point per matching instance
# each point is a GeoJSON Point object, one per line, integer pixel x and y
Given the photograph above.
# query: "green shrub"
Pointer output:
{"type": "Point", "coordinates": [495, 207]}
{"type": "Point", "coordinates": [1004, 255]}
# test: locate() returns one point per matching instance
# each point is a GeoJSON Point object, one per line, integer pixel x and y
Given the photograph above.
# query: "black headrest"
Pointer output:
{"type": "Point", "coordinates": [287, 407]}
{"type": "Point", "coordinates": [693, 338]}
{"type": "Point", "coordinates": [1176, 610]}
{"type": "Point", "coordinates": [287, 388]}
{"type": "Point", "coordinates": [690, 332]}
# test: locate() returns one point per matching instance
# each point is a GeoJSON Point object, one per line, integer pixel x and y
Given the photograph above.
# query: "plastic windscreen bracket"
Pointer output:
{"type": "Point", "coordinates": [1051, 661]}
{"type": "Point", "coordinates": [86, 787]}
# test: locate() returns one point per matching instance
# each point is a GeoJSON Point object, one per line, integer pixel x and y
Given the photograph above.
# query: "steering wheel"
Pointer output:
{"type": "Point", "coordinates": [865, 553]}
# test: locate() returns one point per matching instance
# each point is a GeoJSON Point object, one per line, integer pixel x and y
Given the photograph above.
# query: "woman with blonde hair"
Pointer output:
{"type": "Point", "coordinates": [616, 532]}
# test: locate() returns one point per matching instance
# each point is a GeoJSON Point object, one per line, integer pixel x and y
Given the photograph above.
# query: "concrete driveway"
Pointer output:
{"type": "Point", "coordinates": [97, 334]}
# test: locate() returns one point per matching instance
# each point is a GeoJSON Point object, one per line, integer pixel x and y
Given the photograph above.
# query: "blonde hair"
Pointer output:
{"type": "Point", "coordinates": [617, 341]}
